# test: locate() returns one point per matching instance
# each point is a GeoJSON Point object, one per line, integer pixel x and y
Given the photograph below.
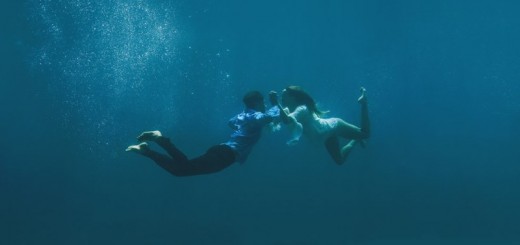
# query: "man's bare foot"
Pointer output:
{"type": "Point", "coordinates": [149, 136]}
{"type": "Point", "coordinates": [363, 98]}
{"type": "Point", "coordinates": [140, 148]}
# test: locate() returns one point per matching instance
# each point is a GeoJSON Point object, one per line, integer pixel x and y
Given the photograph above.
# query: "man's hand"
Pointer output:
{"type": "Point", "coordinates": [273, 98]}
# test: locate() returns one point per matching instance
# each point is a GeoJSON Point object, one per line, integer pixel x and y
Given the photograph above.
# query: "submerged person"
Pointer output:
{"type": "Point", "coordinates": [247, 128]}
{"type": "Point", "coordinates": [304, 118]}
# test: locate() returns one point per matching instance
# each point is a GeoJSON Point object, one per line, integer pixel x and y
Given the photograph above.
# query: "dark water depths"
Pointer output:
{"type": "Point", "coordinates": [81, 79]}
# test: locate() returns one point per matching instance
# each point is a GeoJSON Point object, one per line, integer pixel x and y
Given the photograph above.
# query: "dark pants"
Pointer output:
{"type": "Point", "coordinates": [215, 159]}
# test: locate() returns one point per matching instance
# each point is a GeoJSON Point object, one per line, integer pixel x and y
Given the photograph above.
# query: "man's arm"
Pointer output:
{"type": "Point", "coordinates": [232, 123]}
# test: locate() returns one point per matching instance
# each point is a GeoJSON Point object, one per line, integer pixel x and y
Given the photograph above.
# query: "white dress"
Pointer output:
{"type": "Point", "coordinates": [311, 125]}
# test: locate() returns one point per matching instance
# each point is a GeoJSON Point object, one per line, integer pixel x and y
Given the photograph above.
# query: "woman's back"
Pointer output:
{"type": "Point", "coordinates": [314, 127]}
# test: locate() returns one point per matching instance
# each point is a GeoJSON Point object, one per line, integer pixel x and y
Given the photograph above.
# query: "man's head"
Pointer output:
{"type": "Point", "coordinates": [254, 100]}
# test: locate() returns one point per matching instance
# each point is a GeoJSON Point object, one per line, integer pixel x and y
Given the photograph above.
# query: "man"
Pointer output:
{"type": "Point", "coordinates": [247, 129]}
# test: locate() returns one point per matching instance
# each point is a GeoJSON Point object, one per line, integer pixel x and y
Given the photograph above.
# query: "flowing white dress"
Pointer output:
{"type": "Point", "coordinates": [317, 129]}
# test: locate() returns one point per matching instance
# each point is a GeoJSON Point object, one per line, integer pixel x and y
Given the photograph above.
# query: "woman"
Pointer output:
{"type": "Point", "coordinates": [303, 117]}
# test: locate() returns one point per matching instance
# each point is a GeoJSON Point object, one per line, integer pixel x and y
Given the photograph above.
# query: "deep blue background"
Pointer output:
{"type": "Point", "coordinates": [80, 79]}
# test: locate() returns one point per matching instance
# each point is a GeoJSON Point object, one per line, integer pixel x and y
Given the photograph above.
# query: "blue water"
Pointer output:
{"type": "Point", "coordinates": [81, 79]}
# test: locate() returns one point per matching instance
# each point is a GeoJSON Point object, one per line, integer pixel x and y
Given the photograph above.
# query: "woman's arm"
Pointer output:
{"type": "Point", "coordinates": [293, 124]}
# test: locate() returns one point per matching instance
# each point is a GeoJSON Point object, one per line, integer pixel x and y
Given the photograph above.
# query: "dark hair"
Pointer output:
{"type": "Point", "coordinates": [303, 98]}
{"type": "Point", "coordinates": [252, 98]}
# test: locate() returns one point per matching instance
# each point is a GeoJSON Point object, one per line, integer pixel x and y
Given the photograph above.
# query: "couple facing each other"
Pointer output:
{"type": "Point", "coordinates": [297, 110]}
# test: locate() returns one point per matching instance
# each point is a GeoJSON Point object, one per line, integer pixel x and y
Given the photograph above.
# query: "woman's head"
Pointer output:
{"type": "Point", "coordinates": [294, 96]}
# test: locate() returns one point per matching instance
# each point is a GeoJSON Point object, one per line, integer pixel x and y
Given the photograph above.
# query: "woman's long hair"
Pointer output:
{"type": "Point", "coordinates": [303, 98]}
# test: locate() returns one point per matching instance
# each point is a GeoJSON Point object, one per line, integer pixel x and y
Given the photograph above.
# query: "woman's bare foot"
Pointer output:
{"type": "Point", "coordinates": [149, 136]}
{"type": "Point", "coordinates": [363, 98]}
{"type": "Point", "coordinates": [140, 148]}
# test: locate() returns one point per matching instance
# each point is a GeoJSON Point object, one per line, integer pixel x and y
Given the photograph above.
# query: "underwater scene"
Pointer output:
{"type": "Point", "coordinates": [417, 142]}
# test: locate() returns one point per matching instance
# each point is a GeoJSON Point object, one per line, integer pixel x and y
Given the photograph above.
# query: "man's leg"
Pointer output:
{"type": "Point", "coordinates": [165, 143]}
{"type": "Point", "coordinates": [162, 160]}
{"type": "Point", "coordinates": [215, 159]}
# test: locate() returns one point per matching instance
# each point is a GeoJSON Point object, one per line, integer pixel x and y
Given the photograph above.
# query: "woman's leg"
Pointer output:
{"type": "Point", "coordinates": [339, 155]}
{"type": "Point", "coordinates": [332, 145]}
{"type": "Point", "coordinates": [349, 131]}
{"type": "Point", "coordinates": [365, 121]}
{"type": "Point", "coordinates": [345, 151]}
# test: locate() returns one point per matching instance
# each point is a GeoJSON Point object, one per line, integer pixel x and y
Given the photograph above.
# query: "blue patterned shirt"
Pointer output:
{"type": "Point", "coordinates": [248, 127]}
